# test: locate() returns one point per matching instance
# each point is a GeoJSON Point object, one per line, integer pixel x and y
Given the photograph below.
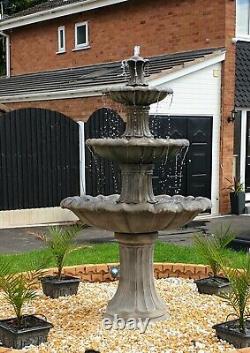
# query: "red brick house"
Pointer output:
{"type": "Point", "coordinates": [63, 53]}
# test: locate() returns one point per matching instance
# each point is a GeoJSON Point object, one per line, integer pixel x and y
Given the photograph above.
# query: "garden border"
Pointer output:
{"type": "Point", "coordinates": [101, 273]}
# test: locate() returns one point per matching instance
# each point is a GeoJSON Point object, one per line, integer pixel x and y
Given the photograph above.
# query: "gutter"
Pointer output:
{"type": "Point", "coordinates": [56, 12]}
{"type": "Point", "coordinates": [7, 37]}
{"type": "Point", "coordinates": [90, 91]}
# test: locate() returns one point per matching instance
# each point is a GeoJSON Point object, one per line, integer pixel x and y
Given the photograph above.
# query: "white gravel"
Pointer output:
{"type": "Point", "coordinates": [78, 322]}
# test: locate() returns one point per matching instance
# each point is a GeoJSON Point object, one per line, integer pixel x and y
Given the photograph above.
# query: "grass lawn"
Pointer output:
{"type": "Point", "coordinates": [108, 252]}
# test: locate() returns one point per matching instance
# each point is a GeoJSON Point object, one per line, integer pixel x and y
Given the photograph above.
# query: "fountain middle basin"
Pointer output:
{"type": "Point", "coordinates": [136, 150]}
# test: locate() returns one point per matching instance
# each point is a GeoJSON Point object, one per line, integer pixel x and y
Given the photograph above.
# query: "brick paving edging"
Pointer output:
{"type": "Point", "coordinates": [101, 273]}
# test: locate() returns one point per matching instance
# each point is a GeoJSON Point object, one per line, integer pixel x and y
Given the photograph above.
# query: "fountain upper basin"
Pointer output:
{"type": "Point", "coordinates": [167, 213]}
{"type": "Point", "coordinates": [136, 150]}
{"type": "Point", "coordinates": [137, 96]}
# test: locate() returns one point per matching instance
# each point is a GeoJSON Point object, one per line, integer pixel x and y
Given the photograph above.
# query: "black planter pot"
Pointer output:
{"type": "Point", "coordinates": [213, 285]}
{"type": "Point", "coordinates": [55, 288]}
{"type": "Point", "coordinates": [229, 331]}
{"type": "Point", "coordinates": [237, 202]}
{"type": "Point", "coordinates": [33, 332]}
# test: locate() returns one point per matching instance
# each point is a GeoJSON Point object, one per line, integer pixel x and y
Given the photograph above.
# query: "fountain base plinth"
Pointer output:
{"type": "Point", "coordinates": [136, 296]}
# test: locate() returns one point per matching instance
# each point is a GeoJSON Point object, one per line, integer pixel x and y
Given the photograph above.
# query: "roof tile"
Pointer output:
{"type": "Point", "coordinates": [242, 86]}
{"type": "Point", "coordinates": [92, 75]}
{"type": "Point", "coordinates": [42, 7]}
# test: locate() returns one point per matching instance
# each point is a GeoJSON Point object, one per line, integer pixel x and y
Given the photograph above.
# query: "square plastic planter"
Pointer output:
{"type": "Point", "coordinates": [55, 288]}
{"type": "Point", "coordinates": [229, 331]}
{"type": "Point", "coordinates": [213, 285]}
{"type": "Point", "coordinates": [237, 202]}
{"type": "Point", "coordinates": [34, 332]}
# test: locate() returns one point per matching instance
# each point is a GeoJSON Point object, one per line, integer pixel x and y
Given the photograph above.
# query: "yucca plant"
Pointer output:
{"type": "Point", "coordinates": [239, 295]}
{"type": "Point", "coordinates": [61, 242]}
{"type": "Point", "coordinates": [236, 331]}
{"type": "Point", "coordinates": [237, 196]}
{"type": "Point", "coordinates": [209, 246]}
{"type": "Point", "coordinates": [19, 288]}
{"type": "Point", "coordinates": [235, 186]}
{"type": "Point", "coordinates": [17, 292]}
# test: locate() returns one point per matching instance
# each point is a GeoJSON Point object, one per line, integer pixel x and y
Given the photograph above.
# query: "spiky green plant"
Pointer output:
{"type": "Point", "coordinates": [239, 295]}
{"type": "Point", "coordinates": [18, 288]}
{"type": "Point", "coordinates": [235, 186]}
{"type": "Point", "coordinates": [209, 246]}
{"type": "Point", "coordinates": [61, 242]}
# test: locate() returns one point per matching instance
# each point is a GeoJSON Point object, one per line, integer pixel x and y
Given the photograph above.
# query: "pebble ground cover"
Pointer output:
{"type": "Point", "coordinates": [78, 321]}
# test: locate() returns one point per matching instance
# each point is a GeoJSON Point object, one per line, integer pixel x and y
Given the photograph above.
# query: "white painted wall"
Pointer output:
{"type": "Point", "coordinates": [35, 216]}
{"type": "Point", "coordinates": [243, 149]}
{"type": "Point", "coordinates": [198, 93]}
{"type": "Point", "coordinates": [82, 157]}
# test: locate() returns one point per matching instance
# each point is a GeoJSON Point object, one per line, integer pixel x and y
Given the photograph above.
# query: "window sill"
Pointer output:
{"type": "Point", "coordinates": [61, 52]}
{"type": "Point", "coordinates": [81, 48]}
{"type": "Point", "coordinates": [241, 39]}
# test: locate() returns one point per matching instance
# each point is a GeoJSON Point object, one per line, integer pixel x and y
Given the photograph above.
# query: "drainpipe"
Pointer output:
{"type": "Point", "coordinates": [7, 37]}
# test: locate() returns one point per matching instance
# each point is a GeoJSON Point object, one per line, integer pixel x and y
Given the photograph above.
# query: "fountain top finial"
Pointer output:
{"type": "Point", "coordinates": [137, 50]}
{"type": "Point", "coordinates": [136, 67]}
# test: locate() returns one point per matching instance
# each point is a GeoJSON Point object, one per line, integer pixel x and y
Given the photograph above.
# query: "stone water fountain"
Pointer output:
{"type": "Point", "coordinates": [136, 215]}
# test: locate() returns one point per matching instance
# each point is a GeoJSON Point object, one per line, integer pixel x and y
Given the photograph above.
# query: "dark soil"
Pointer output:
{"type": "Point", "coordinates": [26, 323]}
{"type": "Point", "coordinates": [56, 278]}
{"type": "Point", "coordinates": [234, 325]}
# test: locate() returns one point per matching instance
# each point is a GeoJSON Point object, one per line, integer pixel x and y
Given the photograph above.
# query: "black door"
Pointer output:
{"type": "Point", "coordinates": [247, 176]}
{"type": "Point", "coordinates": [39, 159]}
{"type": "Point", "coordinates": [190, 172]}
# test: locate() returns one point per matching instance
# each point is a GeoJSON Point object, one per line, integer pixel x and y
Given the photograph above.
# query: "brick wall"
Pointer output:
{"type": "Point", "coordinates": [78, 109]}
{"type": "Point", "coordinates": [228, 86]}
{"type": "Point", "coordinates": [159, 26]}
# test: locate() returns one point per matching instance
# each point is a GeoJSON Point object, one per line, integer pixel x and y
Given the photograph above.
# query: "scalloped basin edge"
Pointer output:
{"type": "Point", "coordinates": [135, 150]}
{"type": "Point", "coordinates": [137, 95]}
{"type": "Point", "coordinates": [104, 212]}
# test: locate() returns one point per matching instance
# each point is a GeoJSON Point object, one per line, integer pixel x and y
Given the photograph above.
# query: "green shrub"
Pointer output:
{"type": "Point", "coordinates": [61, 243]}
{"type": "Point", "coordinates": [18, 288]}
{"type": "Point", "coordinates": [239, 295]}
{"type": "Point", "coordinates": [209, 246]}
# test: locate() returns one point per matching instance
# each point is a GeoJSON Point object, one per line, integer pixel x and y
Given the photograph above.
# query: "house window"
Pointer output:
{"type": "Point", "coordinates": [243, 18]}
{"type": "Point", "coordinates": [61, 40]}
{"type": "Point", "coordinates": [81, 35]}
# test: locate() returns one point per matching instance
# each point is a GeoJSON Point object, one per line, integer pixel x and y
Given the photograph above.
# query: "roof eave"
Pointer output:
{"type": "Point", "coordinates": [55, 13]}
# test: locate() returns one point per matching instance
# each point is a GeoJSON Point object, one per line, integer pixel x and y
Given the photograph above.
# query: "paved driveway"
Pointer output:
{"type": "Point", "coordinates": [26, 239]}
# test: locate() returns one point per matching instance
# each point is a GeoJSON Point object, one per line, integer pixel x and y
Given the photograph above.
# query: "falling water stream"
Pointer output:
{"type": "Point", "coordinates": [110, 129]}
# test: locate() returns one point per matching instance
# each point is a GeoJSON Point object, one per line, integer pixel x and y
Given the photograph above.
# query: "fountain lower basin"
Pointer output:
{"type": "Point", "coordinates": [167, 213]}
{"type": "Point", "coordinates": [136, 150]}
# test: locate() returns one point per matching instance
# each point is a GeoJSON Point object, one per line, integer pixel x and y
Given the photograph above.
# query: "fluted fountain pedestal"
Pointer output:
{"type": "Point", "coordinates": [136, 296]}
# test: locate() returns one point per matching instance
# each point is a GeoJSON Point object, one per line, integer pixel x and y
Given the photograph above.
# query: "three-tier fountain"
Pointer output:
{"type": "Point", "coordinates": [136, 215]}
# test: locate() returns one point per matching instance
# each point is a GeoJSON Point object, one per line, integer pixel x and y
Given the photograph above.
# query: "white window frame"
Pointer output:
{"type": "Point", "coordinates": [61, 49]}
{"type": "Point", "coordinates": [239, 35]}
{"type": "Point", "coordinates": [86, 44]}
